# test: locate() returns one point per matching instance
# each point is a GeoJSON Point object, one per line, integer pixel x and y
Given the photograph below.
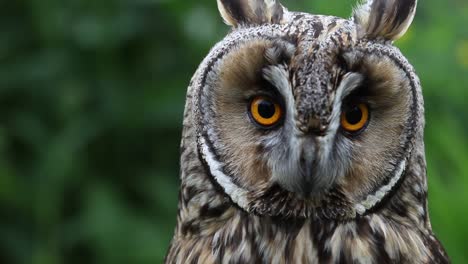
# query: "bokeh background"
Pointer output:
{"type": "Point", "coordinates": [91, 101]}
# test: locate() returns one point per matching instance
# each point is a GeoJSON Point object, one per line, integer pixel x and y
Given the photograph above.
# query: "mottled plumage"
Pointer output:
{"type": "Point", "coordinates": [308, 188]}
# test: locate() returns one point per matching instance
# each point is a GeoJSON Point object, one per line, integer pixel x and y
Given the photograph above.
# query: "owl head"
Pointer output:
{"type": "Point", "coordinates": [301, 115]}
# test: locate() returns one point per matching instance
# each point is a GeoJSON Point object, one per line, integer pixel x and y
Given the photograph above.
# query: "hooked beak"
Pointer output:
{"type": "Point", "coordinates": [306, 171]}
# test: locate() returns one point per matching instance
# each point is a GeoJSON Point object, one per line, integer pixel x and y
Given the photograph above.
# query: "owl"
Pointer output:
{"type": "Point", "coordinates": [303, 142]}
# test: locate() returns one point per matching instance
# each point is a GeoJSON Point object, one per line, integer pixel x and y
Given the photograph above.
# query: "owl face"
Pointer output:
{"type": "Point", "coordinates": [304, 115]}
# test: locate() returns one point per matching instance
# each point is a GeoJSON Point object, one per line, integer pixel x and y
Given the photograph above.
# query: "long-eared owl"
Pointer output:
{"type": "Point", "coordinates": [303, 142]}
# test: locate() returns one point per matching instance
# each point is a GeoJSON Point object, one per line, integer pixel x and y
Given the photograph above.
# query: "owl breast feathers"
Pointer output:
{"type": "Point", "coordinates": [303, 142]}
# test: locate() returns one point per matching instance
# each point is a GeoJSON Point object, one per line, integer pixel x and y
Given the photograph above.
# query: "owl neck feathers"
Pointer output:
{"type": "Point", "coordinates": [212, 229]}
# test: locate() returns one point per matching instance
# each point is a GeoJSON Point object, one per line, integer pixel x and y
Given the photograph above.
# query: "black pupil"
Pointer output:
{"type": "Point", "coordinates": [266, 109]}
{"type": "Point", "coordinates": [354, 115]}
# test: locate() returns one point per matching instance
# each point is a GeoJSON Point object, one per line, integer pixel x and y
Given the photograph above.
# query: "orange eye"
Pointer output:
{"type": "Point", "coordinates": [355, 118]}
{"type": "Point", "coordinates": [265, 111]}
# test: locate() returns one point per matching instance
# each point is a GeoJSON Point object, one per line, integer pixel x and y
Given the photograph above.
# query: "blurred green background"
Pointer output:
{"type": "Point", "coordinates": [91, 101]}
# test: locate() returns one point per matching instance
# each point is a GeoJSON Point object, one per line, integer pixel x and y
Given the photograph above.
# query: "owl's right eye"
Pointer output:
{"type": "Point", "coordinates": [265, 112]}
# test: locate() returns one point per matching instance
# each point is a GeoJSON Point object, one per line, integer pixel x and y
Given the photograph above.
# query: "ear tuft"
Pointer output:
{"type": "Point", "coordinates": [250, 12]}
{"type": "Point", "coordinates": [387, 19]}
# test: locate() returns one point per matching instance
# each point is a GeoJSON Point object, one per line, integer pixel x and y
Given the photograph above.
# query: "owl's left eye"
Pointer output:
{"type": "Point", "coordinates": [265, 111]}
{"type": "Point", "coordinates": [355, 117]}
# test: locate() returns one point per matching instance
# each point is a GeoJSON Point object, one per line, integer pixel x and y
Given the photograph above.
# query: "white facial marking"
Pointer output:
{"type": "Point", "coordinates": [237, 194]}
{"type": "Point", "coordinates": [373, 199]}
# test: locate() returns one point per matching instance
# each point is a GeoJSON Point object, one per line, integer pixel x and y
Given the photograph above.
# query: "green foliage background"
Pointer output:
{"type": "Point", "coordinates": [91, 100]}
